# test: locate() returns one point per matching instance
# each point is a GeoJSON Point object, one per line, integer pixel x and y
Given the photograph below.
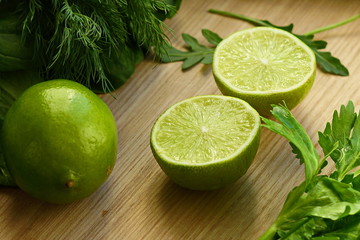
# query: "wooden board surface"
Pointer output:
{"type": "Point", "coordinates": [138, 201]}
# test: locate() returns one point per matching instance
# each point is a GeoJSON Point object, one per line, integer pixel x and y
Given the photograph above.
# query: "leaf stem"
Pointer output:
{"type": "Point", "coordinates": [269, 234]}
{"type": "Point", "coordinates": [240, 16]}
{"type": "Point", "coordinates": [263, 23]}
{"type": "Point", "coordinates": [326, 28]}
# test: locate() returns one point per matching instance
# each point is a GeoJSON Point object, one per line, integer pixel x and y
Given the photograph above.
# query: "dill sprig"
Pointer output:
{"type": "Point", "coordinates": [148, 33]}
{"type": "Point", "coordinates": [74, 39]}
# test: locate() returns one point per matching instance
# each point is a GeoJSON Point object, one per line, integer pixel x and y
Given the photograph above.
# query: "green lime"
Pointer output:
{"type": "Point", "coordinates": [206, 142]}
{"type": "Point", "coordinates": [264, 66]}
{"type": "Point", "coordinates": [59, 141]}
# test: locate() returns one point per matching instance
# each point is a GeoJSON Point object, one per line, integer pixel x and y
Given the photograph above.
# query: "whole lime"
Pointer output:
{"type": "Point", "coordinates": [59, 141]}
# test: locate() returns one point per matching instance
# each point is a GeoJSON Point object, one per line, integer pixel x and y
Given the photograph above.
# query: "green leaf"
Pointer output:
{"type": "Point", "coordinates": [356, 182]}
{"type": "Point", "coordinates": [287, 28]}
{"type": "Point", "coordinates": [313, 44]}
{"type": "Point", "coordinates": [72, 39]}
{"type": "Point", "coordinates": [340, 198]}
{"type": "Point", "coordinates": [166, 8]}
{"type": "Point", "coordinates": [192, 42]}
{"type": "Point", "coordinates": [196, 52]}
{"type": "Point", "coordinates": [12, 84]}
{"type": "Point", "coordinates": [119, 67]}
{"type": "Point", "coordinates": [211, 37]}
{"type": "Point", "coordinates": [307, 214]}
{"type": "Point", "coordinates": [326, 208]}
{"type": "Point", "coordinates": [344, 130]}
{"type": "Point", "coordinates": [208, 59]}
{"type": "Point", "coordinates": [345, 229]}
{"type": "Point", "coordinates": [189, 62]}
{"type": "Point", "coordinates": [304, 229]}
{"type": "Point", "coordinates": [330, 64]}
{"type": "Point", "coordinates": [14, 54]}
{"type": "Point", "coordinates": [325, 60]}
{"type": "Point", "coordinates": [173, 55]}
{"type": "Point", "coordinates": [298, 138]}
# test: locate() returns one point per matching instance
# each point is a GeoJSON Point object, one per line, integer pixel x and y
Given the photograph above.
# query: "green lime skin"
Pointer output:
{"type": "Point", "coordinates": [60, 141]}
{"type": "Point", "coordinates": [213, 175]}
{"type": "Point", "coordinates": [263, 102]}
{"type": "Point", "coordinates": [264, 66]}
{"type": "Point", "coordinates": [220, 116]}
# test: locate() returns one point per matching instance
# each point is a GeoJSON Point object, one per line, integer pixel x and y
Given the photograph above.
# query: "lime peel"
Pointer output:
{"type": "Point", "coordinates": [264, 66]}
{"type": "Point", "coordinates": [198, 144]}
{"type": "Point", "coordinates": [68, 141]}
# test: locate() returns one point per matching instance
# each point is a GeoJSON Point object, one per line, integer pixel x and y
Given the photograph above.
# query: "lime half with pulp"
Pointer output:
{"type": "Point", "coordinates": [264, 66]}
{"type": "Point", "coordinates": [206, 142]}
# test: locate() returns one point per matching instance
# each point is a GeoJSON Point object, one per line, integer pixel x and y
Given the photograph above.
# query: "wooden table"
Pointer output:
{"type": "Point", "coordinates": [138, 201]}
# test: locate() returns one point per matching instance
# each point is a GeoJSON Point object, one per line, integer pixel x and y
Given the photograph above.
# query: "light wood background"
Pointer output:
{"type": "Point", "coordinates": [138, 201]}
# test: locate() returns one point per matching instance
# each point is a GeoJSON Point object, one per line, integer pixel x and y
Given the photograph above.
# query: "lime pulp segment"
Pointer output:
{"type": "Point", "coordinates": [263, 60]}
{"type": "Point", "coordinates": [204, 129]}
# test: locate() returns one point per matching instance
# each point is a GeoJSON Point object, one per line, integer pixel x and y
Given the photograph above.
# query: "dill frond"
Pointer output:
{"type": "Point", "coordinates": [169, 10]}
{"type": "Point", "coordinates": [146, 27]}
{"type": "Point", "coordinates": [74, 39]}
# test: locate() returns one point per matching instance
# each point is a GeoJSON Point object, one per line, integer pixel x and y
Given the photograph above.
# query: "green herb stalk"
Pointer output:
{"type": "Point", "coordinates": [323, 206]}
{"type": "Point", "coordinates": [197, 53]}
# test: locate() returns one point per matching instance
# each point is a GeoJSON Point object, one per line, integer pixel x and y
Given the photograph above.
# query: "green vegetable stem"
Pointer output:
{"type": "Point", "coordinates": [197, 53]}
{"type": "Point", "coordinates": [323, 206]}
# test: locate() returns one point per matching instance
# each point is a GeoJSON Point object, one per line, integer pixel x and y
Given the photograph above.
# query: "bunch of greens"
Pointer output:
{"type": "Point", "coordinates": [323, 206]}
{"type": "Point", "coordinates": [12, 84]}
{"type": "Point", "coordinates": [197, 53]}
{"type": "Point", "coordinates": [96, 42]}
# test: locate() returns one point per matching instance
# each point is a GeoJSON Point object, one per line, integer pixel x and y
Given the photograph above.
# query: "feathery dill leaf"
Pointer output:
{"type": "Point", "coordinates": [146, 28]}
{"type": "Point", "coordinates": [165, 8]}
{"type": "Point", "coordinates": [75, 39]}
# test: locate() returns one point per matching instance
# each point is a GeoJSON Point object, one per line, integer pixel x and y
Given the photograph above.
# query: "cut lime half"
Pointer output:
{"type": "Point", "coordinates": [264, 66]}
{"type": "Point", "coordinates": [206, 142]}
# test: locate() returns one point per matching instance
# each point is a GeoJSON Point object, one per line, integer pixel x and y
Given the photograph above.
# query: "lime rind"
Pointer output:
{"type": "Point", "coordinates": [214, 173]}
{"type": "Point", "coordinates": [68, 140]}
{"type": "Point", "coordinates": [302, 68]}
{"type": "Point", "coordinates": [237, 145]}
{"type": "Point", "coordinates": [259, 56]}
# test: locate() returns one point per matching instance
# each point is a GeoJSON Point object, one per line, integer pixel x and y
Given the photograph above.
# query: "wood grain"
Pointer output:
{"type": "Point", "coordinates": [138, 201]}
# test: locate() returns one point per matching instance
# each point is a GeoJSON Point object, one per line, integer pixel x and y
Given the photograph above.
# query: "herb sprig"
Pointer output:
{"type": "Point", "coordinates": [322, 207]}
{"type": "Point", "coordinates": [196, 52]}
{"type": "Point", "coordinates": [82, 40]}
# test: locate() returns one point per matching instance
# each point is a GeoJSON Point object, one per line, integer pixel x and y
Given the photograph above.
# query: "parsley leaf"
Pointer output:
{"type": "Point", "coordinates": [196, 52]}
{"type": "Point", "coordinates": [322, 207]}
{"type": "Point", "coordinates": [300, 141]}
{"type": "Point", "coordinates": [344, 131]}
{"type": "Point", "coordinates": [317, 211]}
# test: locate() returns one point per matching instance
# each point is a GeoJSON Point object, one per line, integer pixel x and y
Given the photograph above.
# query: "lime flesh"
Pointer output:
{"type": "Point", "coordinates": [206, 142]}
{"type": "Point", "coordinates": [264, 66]}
